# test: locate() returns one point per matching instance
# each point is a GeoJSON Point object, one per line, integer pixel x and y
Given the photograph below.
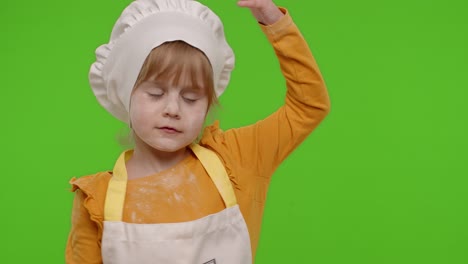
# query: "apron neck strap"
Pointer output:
{"type": "Point", "coordinates": [116, 190]}
{"type": "Point", "coordinates": [217, 172]}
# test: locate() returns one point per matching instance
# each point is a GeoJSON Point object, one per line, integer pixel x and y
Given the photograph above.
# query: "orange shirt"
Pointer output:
{"type": "Point", "coordinates": [250, 154]}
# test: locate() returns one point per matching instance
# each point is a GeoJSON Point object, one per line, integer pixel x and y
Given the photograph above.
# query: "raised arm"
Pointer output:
{"type": "Point", "coordinates": [265, 144]}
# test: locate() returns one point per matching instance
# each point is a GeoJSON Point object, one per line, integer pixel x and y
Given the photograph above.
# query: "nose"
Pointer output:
{"type": "Point", "coordinates": [171, 109]}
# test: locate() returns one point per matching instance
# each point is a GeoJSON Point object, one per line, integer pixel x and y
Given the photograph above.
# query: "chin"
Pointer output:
{"type": "Point", "coordinates": [170, 148]}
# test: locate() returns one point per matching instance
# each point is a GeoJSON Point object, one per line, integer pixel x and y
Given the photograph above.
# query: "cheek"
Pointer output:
{"type": "Point", "coordinates": [139, 111]}
{"type": "Point", "coordinates": [134, 111]}
{"type": "Point", "coordinates": [198, 119]}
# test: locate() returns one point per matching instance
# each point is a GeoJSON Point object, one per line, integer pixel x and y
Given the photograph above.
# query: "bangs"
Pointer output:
{"type": "Point", "coordinates": [179, 64]}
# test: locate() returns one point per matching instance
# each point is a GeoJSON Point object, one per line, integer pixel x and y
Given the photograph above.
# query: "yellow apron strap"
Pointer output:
{"type": "Point", "coordinates": [115, 196]}
{"type": "Point", "coordinates": [215, 169]}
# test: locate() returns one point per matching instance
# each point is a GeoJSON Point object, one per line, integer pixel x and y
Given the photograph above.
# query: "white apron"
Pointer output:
{"type": "Point", "coordinates": [220, 238]}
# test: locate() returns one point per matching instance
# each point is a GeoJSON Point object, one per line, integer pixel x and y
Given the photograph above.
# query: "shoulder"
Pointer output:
{"type": "Point", "coordinates": [214, 138]}
{"type": "Point", "coordinates": [92, 185]}
{"type": "Point", "coordinates": [212, 135]}
{"type": "Point", "coordinates": [223, 144]}
{"type": "Point", "coordinates": [91, 194]}
{"type": "Point", "coordinates": [218, 140]}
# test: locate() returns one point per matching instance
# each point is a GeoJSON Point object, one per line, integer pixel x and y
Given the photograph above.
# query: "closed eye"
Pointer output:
{"type": "Point", "coordinates": [155, 95]}
{"type": "Point", "coordinates": [190, 100]}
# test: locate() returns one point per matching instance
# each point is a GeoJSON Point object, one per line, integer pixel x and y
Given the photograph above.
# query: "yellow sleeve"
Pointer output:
{"type": "Point", "coordinates": [265, 144]}
{"type": "Point", "coordinates": [84, 240]}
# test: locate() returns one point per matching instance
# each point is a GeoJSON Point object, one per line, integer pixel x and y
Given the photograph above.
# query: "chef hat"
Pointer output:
{"type": "Point", "coordinates": [144, 25]}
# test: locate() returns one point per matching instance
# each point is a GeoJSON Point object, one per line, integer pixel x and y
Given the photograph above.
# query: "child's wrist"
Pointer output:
{"type": "Point", "coordinates": [271, 15]}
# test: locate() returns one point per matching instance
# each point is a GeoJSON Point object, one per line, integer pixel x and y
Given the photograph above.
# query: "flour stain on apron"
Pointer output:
{"type": "Point", "coordinates": [155, 193]}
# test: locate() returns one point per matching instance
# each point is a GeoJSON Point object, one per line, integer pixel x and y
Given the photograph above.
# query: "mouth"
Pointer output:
{"type": "Point", "coordinates": [169, 130]}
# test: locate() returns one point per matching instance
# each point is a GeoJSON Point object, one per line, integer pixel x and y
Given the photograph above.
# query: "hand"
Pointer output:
{"type": "Point", "coordinates": [265, 11]}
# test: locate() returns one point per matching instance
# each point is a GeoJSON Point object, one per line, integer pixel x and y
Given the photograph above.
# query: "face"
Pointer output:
{"type": "Point", "coordinates": [167, 118]}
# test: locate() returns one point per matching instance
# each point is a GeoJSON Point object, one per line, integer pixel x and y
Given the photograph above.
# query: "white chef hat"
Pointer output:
{"type": "Point", "coordinates": [144, 25]}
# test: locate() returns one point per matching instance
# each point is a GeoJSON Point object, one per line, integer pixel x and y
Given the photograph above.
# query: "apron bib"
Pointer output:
{"type": "Point", "coordinates": [220, 238]}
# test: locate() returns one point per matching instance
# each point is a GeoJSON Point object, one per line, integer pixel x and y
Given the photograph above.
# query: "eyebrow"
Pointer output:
{"type": "Point", "coordinates": [164, 85]}
{"type": "Point", "coordinates": [154, 82]}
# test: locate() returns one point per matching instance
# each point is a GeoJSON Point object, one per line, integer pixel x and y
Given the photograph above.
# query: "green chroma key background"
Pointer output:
{"type": "Point", "coordinates": [384, 179]}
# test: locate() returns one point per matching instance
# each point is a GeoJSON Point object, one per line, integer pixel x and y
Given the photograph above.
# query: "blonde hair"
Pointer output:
{"type": "Point", "coordinates": [177, 63]}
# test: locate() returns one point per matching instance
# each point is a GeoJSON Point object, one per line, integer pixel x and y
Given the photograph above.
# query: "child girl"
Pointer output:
{"type": "Point", "coordinates": [173, 199]}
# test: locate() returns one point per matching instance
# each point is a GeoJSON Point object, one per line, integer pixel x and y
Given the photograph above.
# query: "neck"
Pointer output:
{"type": "Point", "coordinates": [147, 161]}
